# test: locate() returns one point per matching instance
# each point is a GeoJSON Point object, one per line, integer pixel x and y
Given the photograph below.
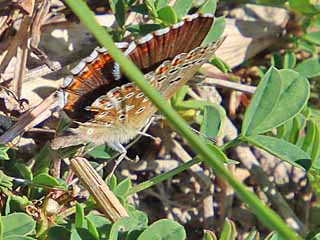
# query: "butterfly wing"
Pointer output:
{"type": "Point", "coordinates": [110, 109]}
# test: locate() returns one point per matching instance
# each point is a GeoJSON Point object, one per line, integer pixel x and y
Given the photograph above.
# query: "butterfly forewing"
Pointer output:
{"type": "Point", "coordinates": [108, 107]}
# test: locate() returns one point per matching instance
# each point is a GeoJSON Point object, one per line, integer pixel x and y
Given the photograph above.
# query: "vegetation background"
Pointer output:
{"type": "Point", "coordinates": [258, 99]}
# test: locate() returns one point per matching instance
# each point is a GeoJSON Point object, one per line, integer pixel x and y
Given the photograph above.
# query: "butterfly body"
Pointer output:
{"type": "Point", "coordinates": [111, 110]}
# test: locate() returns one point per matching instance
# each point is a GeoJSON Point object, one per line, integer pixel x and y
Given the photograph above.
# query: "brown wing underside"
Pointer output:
{"type": "Point", "coordinates": [98, 74]}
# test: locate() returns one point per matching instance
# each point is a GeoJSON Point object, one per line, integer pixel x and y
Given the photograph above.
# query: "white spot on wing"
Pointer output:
{"type": "Point", "coordinates": [67, 81]}
{"type": "Point", "coordinates": [77, 69]}
{"type": "Point", "coordinates": [92, 56]}
{"type": "Point", "coordinates": [161, 31]}
{"type": "Point", "coordinates": [145, 39]}
{"type": "Point", "coordinates": [121, 45]}
{"type": "Point", "coordinates": [116, 71]}
{"type": "Point", "coordinates": [130, 48]}
{"type": "Point", "coordinates": [62, 98]}
{"type": "Point", "coordinates": [101, 50]}
{"type": "Point", "coordinates": [177, 25]}
{"type": "Point", "coordinates": [128, 107]}
{"type": "Point", "coordinates": [191, 17]}
{"type": "Point", "coordinates": [208, 15]}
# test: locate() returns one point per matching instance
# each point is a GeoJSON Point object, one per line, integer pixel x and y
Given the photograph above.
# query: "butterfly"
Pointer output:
{"type": "Point", "coordinates": [107, 107]}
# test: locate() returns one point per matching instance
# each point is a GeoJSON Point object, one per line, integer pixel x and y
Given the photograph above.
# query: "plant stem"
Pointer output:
{"type": "Point", "coordinates": [163, 177]}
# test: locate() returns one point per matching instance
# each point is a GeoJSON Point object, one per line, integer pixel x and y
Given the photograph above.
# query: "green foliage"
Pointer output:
{"type": "Point", "coordinates": [164, 229]}
{"type": "Point", "coordinates": [3, 152]}
{"type": "Point", "coordinates": [277, 115]}
{"type": "Point", "coordinates": [182, 7]}
{"type": "Point", "coordinates": [17, 226]}
{"type": "Point", "coordinates": [133, 227]}
{"type": "Point", "coordinates": [281, 94]}
{"type": "Point", "coordinates": [167, 15]}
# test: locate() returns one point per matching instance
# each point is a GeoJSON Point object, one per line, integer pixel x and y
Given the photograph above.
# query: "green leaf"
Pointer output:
{"type": "Point", "coordinates": [140, 8]}
{"type": "Point", "coordinates": [143, 29]}
{"type": "Point", "coordinates": [164, 229]}
{"type": "Point", "coordinates": [182, 7]}
{"type": "Point", "coordinates": [294, 133]}
{"type": "Point", "coordinates": [5, 181]}
{"type": "Point", "coordinates": [17, 224]}
{"type": "Point", "coordinates": [79, 221]}
{"type": "Point", "coordinates": [119, 9]}
{"type": "Point", "coordinates": [215, 31]}
{"type": "Point", "coordinates": [24, 170]}
{"type": "Point", "coordinates": [276, 60]}
{"type": "Point", "coordinates": [315, 151]}
{"type": "Point", "coordinates": [271, 109]}
{"type": "Point", "coordinates": [191, 104]}
{"type": "Point", "coordinates": [303, 6]}
{"type": "Point", "coordinates": [1, 226]}
{"type": "Point", "coordinates": [92, 229]}
{"type": "Point", "coordinates": [3, 152]}
{"type": "Point", "coordinates": [310, 135]}
{"type": "Point", "coordinates": [180, 95]}
{"type": "Point", "coordinates": [136, 221]}
{"type": "Point", "coordinates": [81, 234]}
{"type": "Point", "coordinates": [306, 46]}
{"type": "Point", "coordinates": [19, 237]}
{"type": "Point", "coordinates": [289, 60]}
{"type": "Point", "coordinates": [281, 130]}
{"type": "Point", "coordinates": [14, 203]}
{"type": "Point", "coordinates": [167, 15]}
{"type": "Point", "coordinates": [112, 182]}
{"type": "Point", "coordinates": [211, 122]}
{"type": "Point", "coordinates": [100, 152]}
{"type": "Point", "coordinates": [151, 8]}
{"type": "Point", "coordinates": [273, 236]}
{"type": "Point", "coordinates": [208, 7]}
{"type": "Point", "coordinates": [294, 95]}
{"type": "Point", "coordinates": [123, 187]}
{"type": "Point", "coordinates": [102, 224]}
{"type": "Point", "coordinates": [282, 149]}
{"type": "Point", "coordinates": [209, 235]}
{"type": "Point", "coordinates": [160, 4]}
{"type": "Point", "coordinates": [312, 37]}
{"type": "Point", "coordinates": [58, 233]}
{"type": "Point", "coordinates": [229, 230]}
{"type": "Point", "coordinates": [263, 102]}
{"type": "Point", "coordinates": [221, 65]}
{"type": "Point", "coordinates": [43, 160]}
{"type": "Point", "coordinates": [253, 235]}
{"type": "Point", "coordinates": [48, 181]}
{"type": "Point", "coordinates": [309, 68]}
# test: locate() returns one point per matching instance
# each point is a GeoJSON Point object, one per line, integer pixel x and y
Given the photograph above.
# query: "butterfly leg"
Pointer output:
{"type": "Point", "coordinates": [123, 154]}
{"type": "Point", "coordinates": [149, 136]}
